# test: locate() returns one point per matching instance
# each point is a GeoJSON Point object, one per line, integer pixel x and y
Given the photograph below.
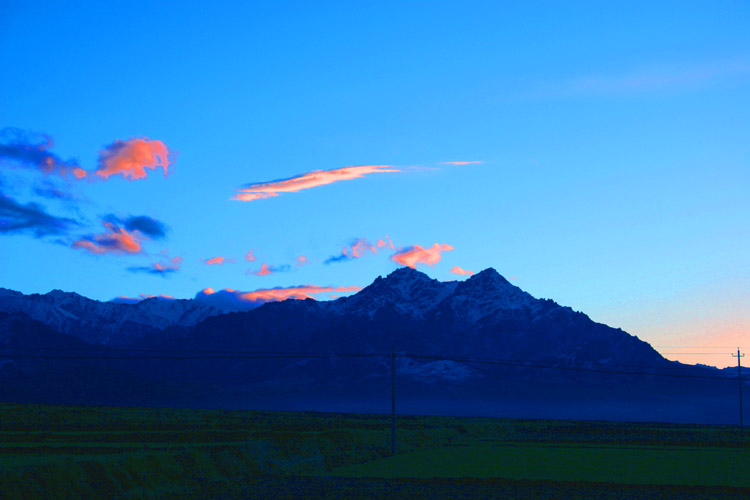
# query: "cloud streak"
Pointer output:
{"type": "Point", "coordinates": [645, 80]}
{"type": "Point", "coordinates": [159, 268]}
{"type": "Point", "coordinates": [308, 180]}
{"type": "Point", "coordinates": [417, 254]}
{"type": "Point", "coordinates": [31, 218]}
{"type": "Point", "coordinates": [265, 269]}
{"type": "Point", "coordinates": [132, 157]}
{"type": "Point", "coordinates": [244, 300]}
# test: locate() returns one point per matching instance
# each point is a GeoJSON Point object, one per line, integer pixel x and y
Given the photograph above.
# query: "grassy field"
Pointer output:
{"type": "Point", "coordinates": [89, 452]}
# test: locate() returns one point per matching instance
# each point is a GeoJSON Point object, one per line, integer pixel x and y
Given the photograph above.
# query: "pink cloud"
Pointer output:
{"type": "Point", "coordinates": [265, 270]}
{"type": "Point", "coordinates": [249, 256]}
{"type": "Point", "coordinates": [302, 260]}
{"type": "Point", "coordinates": [461, 162]}
{"type": "Point", "coordinates": [416, 254]}
{"type": "Point", "coordinates": [114, 240]}
{"type": "Point", "coordinates": [381, 243]}
{"type": "Point", "coordinates": [217, 260]}
{"type": "Point", "coordinates": [463, 272]}
{"type": "Point", "coordinates": [359, 248]}
{"type": "Point", "coordinates": [143, 296]}
{"type": "Point", "coordinates": [306, 181]}
{"type": "Point", "coordinates": [131, 158]}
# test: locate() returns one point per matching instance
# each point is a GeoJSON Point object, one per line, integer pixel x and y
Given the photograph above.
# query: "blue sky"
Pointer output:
{"type": "Point", "coordinates": [613, 141]}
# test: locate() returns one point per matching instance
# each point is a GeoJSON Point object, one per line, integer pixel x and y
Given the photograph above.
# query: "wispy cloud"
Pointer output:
{"type": "Point", "coordinates": [359, 247]}
{"type": "Point", "coordinates": [219, 260]}
{"type": "Point", "coordinates": [240, 300]}
{"type": "Point", "coordinates": [132, 157]}
{"type": "Point", "coordinates": [463, 272]}
{"type": "Point", "coordinates": [249, 256]}
{"type": "Point", "coordinates": [302, 260]}
{"type": "Point", "coordinates": [159, 268]}
{"type": "Point", "coordinates": [20, 148]}
{"type": "Point", "coordinates": [296, 292]}
{"type": "Point", "coordinates": [145, 225]}
{"type": "Point", "coordinates": [416, 254]}
{"type": "Point", "coordinates": [382, 243]}
{"type": "Point", "coordinates": [461, 162]}
{"type": "Point", "coordinates": [115, 240]}
{"type": "Point", "coordinates": [308, 180]}
{"type": "Point", "coordinates": [265, 269]}
{"type": "Point", "coordinates": [649, 79]}
{"type": "Point", "coordinates": [122, 235]}
{"type": "Point", "coordinates": [31, 218]}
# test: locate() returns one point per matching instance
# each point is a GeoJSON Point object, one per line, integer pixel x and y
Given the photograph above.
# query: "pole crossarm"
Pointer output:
{"type": "Point", "coordinates": [739, 357]}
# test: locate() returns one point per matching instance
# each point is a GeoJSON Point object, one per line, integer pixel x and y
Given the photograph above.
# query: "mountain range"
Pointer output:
{"type": "Point", "coordinates": [479, 346]}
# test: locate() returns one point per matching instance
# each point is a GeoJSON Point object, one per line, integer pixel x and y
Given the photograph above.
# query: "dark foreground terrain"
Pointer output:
{"type": "Point", "coordinates": [97, 452]}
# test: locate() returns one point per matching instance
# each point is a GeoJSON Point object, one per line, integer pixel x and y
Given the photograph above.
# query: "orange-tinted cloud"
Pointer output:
{"type": "Point", "coordinates": [295, 292]}
{"type": "Point", "coordinates": [172, 265]}
{"type": "Point", "coordinates": [381, 243]}
{"type": "Point", "coordinates": [264, 270]}
{"type": "Point", "coordinates": [358, 248]}
{"type": "Point", "coordinates": [161, 268]}
{"type": "Point", "coordinates": [249, 256]}
{"type": "Point", "coordinates": [306, 181]}
{"type": "Point", "coordinates": [20, 148]}
{"type": "Point", "coordinates": [463, 272]}
{"type": "Point", "coordinates": [217, 260]}
{"type": "Point", "coordinates": [461, 162]}
{"type": "Point", "coordinates": [416, 254]}
{"type": "Point", "coordinates": [131, 158]}
{"type": "Point", "coordinates": [114, 240]}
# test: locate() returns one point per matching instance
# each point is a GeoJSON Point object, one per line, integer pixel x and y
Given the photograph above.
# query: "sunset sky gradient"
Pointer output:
{"type": "Point", "coordinates": [598, 153]}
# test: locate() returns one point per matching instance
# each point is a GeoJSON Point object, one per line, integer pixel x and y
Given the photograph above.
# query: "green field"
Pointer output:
{"type": "Point", "coordinates": [89, 452]}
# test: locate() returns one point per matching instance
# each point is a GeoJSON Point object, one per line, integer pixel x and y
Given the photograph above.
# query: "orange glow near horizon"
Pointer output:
{"type": "Point", "coordinates": [296, 292]}
{"type": "Point", "coordinates": [417, 254]}
{"type": "Point", "coordinates": [131, 158]}
{"type": "Point", "coordinates": [115, 240]}
{"type": "Point", "coordinates": [308, 180]}
{"type": "Point", "coordinates": [463, 272]}
{"type": "Point", "coordinates": [381, 243]}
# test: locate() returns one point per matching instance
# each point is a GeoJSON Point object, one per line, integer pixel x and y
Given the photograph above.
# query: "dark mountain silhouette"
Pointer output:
{"type": "Point", "coordinates": [541, 359]}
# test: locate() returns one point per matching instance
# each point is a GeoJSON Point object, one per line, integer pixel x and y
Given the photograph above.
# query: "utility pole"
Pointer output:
{"type": "Point", "coordinates": [393, 401]}
{"type": "Point", "coordinates": [739, 377]}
